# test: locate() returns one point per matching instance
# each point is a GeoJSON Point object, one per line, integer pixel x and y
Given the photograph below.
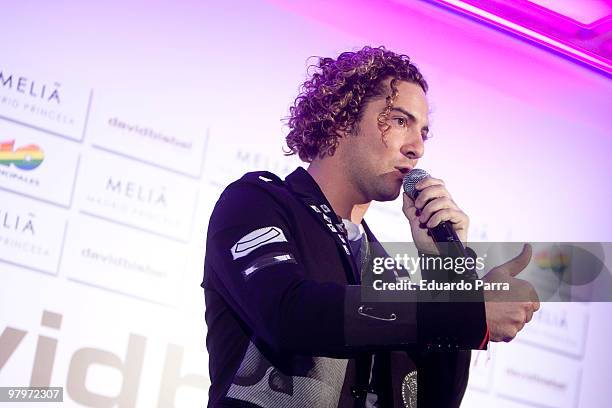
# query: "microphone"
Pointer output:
{"type": "Point", "coordinates": [443, 234]}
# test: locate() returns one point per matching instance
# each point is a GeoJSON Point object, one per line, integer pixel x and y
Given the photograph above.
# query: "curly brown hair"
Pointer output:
{"type": "Point", "coordinates": [332, 100]}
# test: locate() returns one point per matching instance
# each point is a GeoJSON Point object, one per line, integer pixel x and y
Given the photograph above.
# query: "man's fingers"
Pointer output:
{"type": "Point", "coordinates": [428, 181]}
{"type": "Point", "coordinates": [430, 193]}
{"type": "Point", "coordinates": [514, 266]}
{"type": "Point", "coordinates": [435, 205]}
{"type": "Point", "coordinates": [409, 208]}
{"type": "Point", "coordinates": [456, 217]}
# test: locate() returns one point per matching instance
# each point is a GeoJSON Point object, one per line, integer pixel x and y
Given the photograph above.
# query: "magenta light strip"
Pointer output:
{"type": "Point", "coordinates": [501, 22]}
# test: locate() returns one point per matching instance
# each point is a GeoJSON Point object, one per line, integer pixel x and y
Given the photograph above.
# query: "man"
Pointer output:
{"type": "Point", "coordinates": [290, 323]}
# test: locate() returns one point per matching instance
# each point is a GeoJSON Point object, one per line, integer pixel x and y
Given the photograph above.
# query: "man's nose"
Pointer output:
{"type": "Point", "coordinates": [413, 147]}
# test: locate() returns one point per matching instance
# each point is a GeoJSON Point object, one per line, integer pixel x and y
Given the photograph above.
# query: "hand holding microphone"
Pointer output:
{"type": "Point", "coordinates": [435, 219]}
{"type": "Point", "coordinates": [433, 215]}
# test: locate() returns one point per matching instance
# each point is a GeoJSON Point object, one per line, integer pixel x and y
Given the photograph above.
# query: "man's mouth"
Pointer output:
{"type": "Point", "coordinates": [403, 170]}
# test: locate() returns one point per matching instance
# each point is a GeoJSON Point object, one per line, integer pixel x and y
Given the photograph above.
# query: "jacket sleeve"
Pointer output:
{"type": "Point", "coordinates": [251, 258]}
{"type": "Point", "coordinates": [452, 320]}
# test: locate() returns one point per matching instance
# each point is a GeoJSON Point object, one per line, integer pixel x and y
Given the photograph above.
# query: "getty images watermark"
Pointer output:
{"type": "Point", "coordinates": [558, 271]}
{"type": "Point", "coordinates": [402, 264]}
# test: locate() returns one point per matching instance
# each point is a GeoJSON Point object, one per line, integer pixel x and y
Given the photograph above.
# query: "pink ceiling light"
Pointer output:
{"type": "Point", "coordinates": [581, 29]}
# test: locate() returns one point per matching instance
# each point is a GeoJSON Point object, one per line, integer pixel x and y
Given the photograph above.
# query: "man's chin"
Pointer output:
{"type": "Point", "coordinates": [389, 195]}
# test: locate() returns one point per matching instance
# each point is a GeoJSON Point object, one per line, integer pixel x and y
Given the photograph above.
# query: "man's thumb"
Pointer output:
{"type": "Point", "coordinates": [514, 266]}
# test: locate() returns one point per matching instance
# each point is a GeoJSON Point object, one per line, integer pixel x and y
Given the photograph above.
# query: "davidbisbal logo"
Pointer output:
{"type": "Point", "coordinates": [26, 157]}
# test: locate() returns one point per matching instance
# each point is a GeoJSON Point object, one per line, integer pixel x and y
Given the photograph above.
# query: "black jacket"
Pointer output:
{"type": "Point", "coordinates": [289, 324]}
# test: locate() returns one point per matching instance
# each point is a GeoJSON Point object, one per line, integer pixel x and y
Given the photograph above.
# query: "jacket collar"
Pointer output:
{"type": "Point", "coordinates": [302, 183]}
{"type": "Point", "coordinates": [308, 191]}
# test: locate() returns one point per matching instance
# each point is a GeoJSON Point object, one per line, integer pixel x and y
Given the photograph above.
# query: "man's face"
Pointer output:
{"type": "Point", "coordinates": [377, 165]}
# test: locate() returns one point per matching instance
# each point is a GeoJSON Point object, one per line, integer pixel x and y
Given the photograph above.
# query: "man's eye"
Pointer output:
{"type": "Point", "coordinates": [400, 121]}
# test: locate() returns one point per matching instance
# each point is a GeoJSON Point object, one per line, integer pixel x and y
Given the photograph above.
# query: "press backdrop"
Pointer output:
{"type": "Point", "coordinates": [121, 122]}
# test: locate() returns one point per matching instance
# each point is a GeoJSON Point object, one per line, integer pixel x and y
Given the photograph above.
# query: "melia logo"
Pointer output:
{"type": "Point", "coordinates": [31, 233]}
{"type": "Point", "coordinates": [33, 89]}
{"type": "Point", "coordinates": [25, 158]}
{"type": "Point", "coordinates": [47, 102]}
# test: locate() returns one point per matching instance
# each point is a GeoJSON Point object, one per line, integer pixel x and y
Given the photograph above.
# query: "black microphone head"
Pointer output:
{"type": "Point", "coordinates": [411, 179]}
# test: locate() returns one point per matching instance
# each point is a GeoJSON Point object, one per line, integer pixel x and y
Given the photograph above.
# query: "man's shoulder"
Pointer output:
{"type": "Point", "coordinates": [257, 199]}
{"type": "Point", "coordinates": [255, 184]}
{"type": "Point", "coordinates": [262, 178]}
{"type": "Point", "coordinates": [255, 194]}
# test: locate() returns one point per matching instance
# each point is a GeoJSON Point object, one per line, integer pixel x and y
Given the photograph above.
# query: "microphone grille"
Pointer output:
{"type": "Point", "coordinates": [411, 179]}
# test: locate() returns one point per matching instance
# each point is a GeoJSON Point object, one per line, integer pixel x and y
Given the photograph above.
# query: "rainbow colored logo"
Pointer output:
{"type": "Point", "coordinates": [25, 158]}
{"type": "Point", "coordinates": [552, 258]}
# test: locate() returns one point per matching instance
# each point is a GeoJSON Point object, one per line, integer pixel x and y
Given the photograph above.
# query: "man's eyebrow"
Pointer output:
{"type": "Point", "coordinates": [408, 114]}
